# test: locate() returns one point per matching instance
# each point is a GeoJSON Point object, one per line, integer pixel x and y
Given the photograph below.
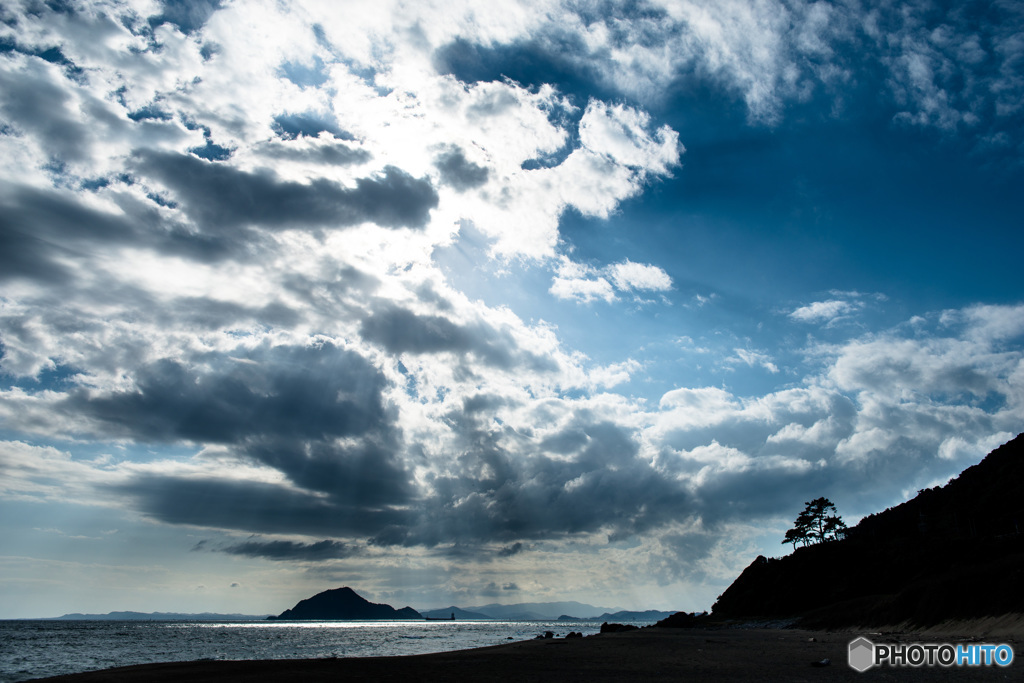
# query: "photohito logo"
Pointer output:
{"type": "Point", "coordinates": [864, 654]}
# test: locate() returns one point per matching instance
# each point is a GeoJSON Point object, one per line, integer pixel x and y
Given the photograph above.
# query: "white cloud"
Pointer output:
{"type": "Point", "coordinates": [820, 434]}
{"type": "Point", "coordinates": [899, 368]}
{"type": "Point", "coordinates": [702, 407]}
{"type": "Point", "coordinates": [957, 448]}
{"type": "Point", "coordinates": [40, 472]}
{"type": "Point", "coordinates": [994, 324]}
{"type": "Point", "coordinates": [614, 374]}
{"type": "Point", "coordinates": [582, 290]}
{"type": "Point", "coordinates": [623, 134]}
{"type": "Point", "coordinates": [754, 359]}
{"type": "Point", "coordinates": [585, 283]}
{"type": "Point", "coordinates": [822, 311]}
{"type": "Point", "coordinates": [628, 275]}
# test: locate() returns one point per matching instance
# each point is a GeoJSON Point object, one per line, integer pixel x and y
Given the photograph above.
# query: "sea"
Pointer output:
{"type": "Point", "coordinates": [38, 648]}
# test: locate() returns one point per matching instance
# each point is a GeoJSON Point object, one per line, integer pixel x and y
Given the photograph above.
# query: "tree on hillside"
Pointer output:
{"type": "Point", "coordinates": [794, 536]}
{"type": "Point", "coordinates": [815, 524]}
{"type": "Point", "coordinates": [835, 527]}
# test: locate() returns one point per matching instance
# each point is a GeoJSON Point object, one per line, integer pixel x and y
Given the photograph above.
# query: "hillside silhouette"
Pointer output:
{"type": "Point", "coordinates": [951, 552]}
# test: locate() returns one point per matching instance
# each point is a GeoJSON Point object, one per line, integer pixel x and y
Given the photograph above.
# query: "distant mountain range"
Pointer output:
{"type": "Point", "coordinates": [345, 604]}
{"type": "Point", "coordinates": [447, 612]}
{"type": "Point", "coordinates": [541, 611]}
{"type": "Point", "coordinates": [544, 611]}
{"type": "Point", "coordinates": [951, 552]}
{"type": "Point", "coordinates": [159, 616]}
{"type": "Point", "coordinates": [623, 615]}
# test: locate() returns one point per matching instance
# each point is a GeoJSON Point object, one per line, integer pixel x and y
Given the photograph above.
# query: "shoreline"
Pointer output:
{"type": "Point", "coordinates": [650, 654]}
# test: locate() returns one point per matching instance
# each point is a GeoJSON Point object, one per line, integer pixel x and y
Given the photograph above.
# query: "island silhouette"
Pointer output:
{"type": "Point", "coordinates": [343, 604]}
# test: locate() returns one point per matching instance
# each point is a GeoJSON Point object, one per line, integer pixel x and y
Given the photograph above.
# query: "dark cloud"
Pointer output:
{"type": "Point", "coordinates": [458, 172]}
{"type": "Point", "coordinates": [483, 402]}
{"type": "Point", "coordinates": [509, 551]}
{"type": "Point", "coordinates": [25, 256]}
{"type": "Point", "coordinates": [335, 154]}
{"type": "Point", "coordinates": [172, 237]}
{"type": "Point", "coordinates": [366, 475]}
{"type": "Point", "coordinates": [290, 550]}
{"type": "Point", "coordinates": [399, 330]}
{"type": "Point", "coordinates": [39, 227]}
{"type": "Point", "coordinates": [219, 196]}
{"type": "Point", "coordinates": [251, 506]}
{"type": "Point", "coordinates": [212, 314]}
{"type": "Point", "coordinates": [44, 229]}
{"type": "Point", "coordinates": [492, 588]}
{"type": "Point", "coordinates": [333, 290]}
{"type": "Point", "coordinates": [289, 392]}
{"type": "Point", "coordinates": [316, 414]}
{"type": "Point", "coordinates": [550, 57]}
{"type": "Point", "coordinates": [208, 50]}
{"type": "Point", "coordinates": [494, 494]}
{"type": "Point", "coordinates": [31, 100]}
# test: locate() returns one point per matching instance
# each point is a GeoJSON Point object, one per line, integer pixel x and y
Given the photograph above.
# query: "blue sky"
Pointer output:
{"type": "Point", "coordinates": [456, 303]}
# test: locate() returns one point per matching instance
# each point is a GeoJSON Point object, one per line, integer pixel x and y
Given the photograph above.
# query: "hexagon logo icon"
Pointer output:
{"type": "Point", "coordinates": [862, 654]}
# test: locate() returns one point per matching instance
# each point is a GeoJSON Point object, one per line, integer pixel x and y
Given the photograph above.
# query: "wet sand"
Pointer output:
{"type": "Point", "coordinates": [652, 654]}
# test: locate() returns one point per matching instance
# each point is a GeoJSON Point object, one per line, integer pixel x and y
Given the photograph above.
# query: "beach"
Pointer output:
{"type": "Point", "coordinates": [651, 654]}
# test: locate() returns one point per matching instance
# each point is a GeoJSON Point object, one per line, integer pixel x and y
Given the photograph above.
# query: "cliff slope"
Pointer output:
{"type": "Point", "coordinates": [952, 552]}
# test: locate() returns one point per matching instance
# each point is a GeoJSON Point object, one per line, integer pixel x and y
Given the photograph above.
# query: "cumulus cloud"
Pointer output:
{"type": "Point", "coordinates": [305, 392]}
{"type": "Point", "coordinates": [991, 324]}
{"type": "Point", "coordinates": [584, 283]}
{"type": "Point", "coordinates": [582, 289]}
{"type": "Point", "coordinates": [624, 134]}
{"type": "Point", "coordinates": [640, 276]}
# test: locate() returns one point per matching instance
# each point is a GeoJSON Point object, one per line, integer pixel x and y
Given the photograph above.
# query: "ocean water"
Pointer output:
{"type": "Point", "coordinates": [35, 649]}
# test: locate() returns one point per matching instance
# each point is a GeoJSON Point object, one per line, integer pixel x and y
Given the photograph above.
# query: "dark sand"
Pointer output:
{"type": "Point", "coordinates": [651, 654]}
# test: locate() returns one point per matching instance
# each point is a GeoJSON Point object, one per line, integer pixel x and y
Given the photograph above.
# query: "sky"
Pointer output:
{"type": "Point", "coordinates": [463, 302]}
